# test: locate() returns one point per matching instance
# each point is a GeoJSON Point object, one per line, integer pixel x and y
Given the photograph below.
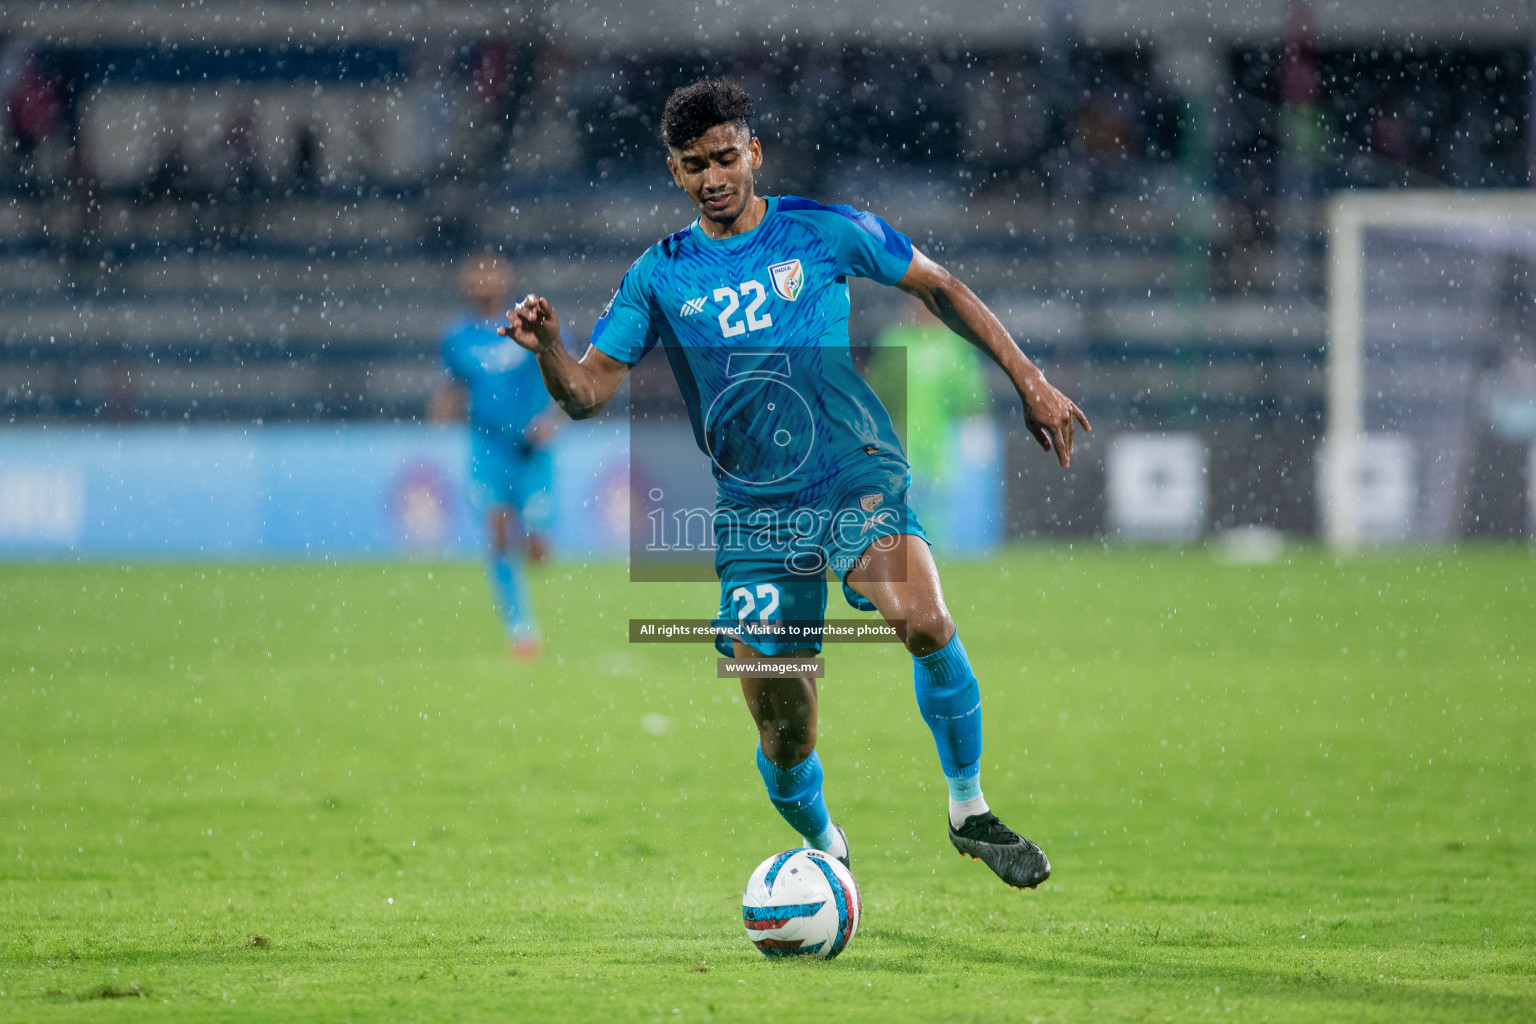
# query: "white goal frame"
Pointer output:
{"type": "Point", "coordinates": [1349, 217]}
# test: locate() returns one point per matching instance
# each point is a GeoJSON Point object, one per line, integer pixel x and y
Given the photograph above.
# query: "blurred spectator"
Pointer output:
{"type": "Point", "coordinates": [1391, 136]}
{"type": "Point", "coordinates": [484, 129]}
{"type": "Point", "coordinates": [34, 105]}
{"type": "Point", "coordinates": [546, 141]}
{"type": "Point", "coordinates": [1006, 120]}
{"type": "Point", "coordinates": [171, 175]}
{"type": "Point", "coordinates": [241, 169]}
{"type": "Point", "coordinates": [308, 160]}
{"type": "Point", "coordinates": [1466, 162]}
{"type": "Point", "coordinates": [39, 150]}
{"type": "Point", "coordinates": [1108, 132]}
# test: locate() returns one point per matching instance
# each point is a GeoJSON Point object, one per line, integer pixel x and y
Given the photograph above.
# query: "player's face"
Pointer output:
{"type": "Point", "coordinates": [486, 282]}
{"type": "Point", "coordinates": [715, 170]}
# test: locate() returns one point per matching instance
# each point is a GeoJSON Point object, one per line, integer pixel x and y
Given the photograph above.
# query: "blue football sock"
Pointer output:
{"type": "Point", "coordinates": [950, 702]}
{"type": "Point", "coordinates": [510, 585]}
{"type": "Point", "coordinates": [796, 794]}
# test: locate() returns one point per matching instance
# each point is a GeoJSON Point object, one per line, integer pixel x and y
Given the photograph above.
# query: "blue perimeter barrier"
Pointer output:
{"type": "Point", "coordinates": [349, 491]}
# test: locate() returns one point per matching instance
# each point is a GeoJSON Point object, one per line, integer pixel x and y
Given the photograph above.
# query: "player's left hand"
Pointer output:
{"type": "Point", "coordinates": [1050, 416]}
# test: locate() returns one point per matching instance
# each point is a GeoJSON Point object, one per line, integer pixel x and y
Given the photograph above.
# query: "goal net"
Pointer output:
{"type": "Point", "coordinates": [1430, 329]}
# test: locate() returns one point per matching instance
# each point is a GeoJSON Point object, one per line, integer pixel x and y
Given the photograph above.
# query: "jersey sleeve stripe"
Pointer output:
{"type": "Point", "coordinates": [893, 241]}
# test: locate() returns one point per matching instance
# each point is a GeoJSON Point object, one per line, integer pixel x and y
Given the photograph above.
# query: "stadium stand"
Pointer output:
{"type": "Point", "coordinates": [250, 228]}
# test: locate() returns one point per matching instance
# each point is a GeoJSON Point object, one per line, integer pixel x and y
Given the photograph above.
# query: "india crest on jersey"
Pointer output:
{"type": "Point", "coordinates": [788, 279]}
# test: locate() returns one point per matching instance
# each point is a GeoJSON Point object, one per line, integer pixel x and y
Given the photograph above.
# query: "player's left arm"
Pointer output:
{"type": "Point", "coordinates": [450, 402]}
{"type": "Point", "coordinates": [1049, 414]}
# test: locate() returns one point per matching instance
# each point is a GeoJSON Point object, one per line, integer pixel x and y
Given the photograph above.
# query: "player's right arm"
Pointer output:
{"type": "Point", "coordinates": [620, 339]}
{"type": "Point", "coordinates": [450, 402]}
{"type": "Point", "coordinates": [1048, 414]}
{"type": "Point", "coordinates": [579, 387]}
{"type": "Point", "coordinates": [869, 247]}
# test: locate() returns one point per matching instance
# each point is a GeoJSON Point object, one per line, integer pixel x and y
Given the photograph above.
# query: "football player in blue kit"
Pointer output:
{"type": "Point", "coordinates": [750, 306]}
{"type": "Point", "coordinates": [497, 384]}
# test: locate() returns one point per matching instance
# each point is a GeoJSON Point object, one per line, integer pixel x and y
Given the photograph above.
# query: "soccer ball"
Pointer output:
{"type": "Point", "coordinates": [801, 903]}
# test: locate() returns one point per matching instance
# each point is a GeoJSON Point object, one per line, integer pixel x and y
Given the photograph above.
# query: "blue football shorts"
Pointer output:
{"type": "Point", "coordinates": [505, 473]}
{"type": "Point", "coordinates": [773, 561]}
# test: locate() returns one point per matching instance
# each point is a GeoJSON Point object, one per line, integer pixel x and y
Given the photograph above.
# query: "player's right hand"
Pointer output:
{"type": "Point", "coordinates": [533, 324]}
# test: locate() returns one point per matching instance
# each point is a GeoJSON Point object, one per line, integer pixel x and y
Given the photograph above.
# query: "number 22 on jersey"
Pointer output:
{"type": "Point", "coordinates": [732, 327]}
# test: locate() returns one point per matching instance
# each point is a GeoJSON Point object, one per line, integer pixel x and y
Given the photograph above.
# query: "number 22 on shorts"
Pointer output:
{"type": "Point", "coordinates": [746, 604]}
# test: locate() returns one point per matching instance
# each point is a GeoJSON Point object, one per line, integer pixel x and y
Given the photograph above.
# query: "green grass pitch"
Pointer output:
{"type": "Point", "coordinates": [1301, 791]}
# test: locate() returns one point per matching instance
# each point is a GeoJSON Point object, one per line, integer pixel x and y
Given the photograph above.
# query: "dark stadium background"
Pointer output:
{"type": "Point", "coordinates": [239, 214]}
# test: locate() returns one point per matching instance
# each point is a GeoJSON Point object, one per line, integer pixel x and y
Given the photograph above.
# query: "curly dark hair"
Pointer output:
{"type": "Point", "coordinates": [695, 109]}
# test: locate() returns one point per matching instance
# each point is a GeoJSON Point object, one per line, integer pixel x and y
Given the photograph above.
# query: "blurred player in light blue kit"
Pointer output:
{"type": "Point", "coordinates": [496, 382]}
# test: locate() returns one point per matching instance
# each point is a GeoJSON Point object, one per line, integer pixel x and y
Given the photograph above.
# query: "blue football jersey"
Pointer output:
{"type": "Point", "coordinates": [505, 388]}
{"type": "Point", "coordinates": [755, 327]}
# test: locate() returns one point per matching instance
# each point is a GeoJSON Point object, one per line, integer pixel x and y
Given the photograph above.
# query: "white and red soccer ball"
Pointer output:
{"type": "Point", "coordinates": [801, 903]}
